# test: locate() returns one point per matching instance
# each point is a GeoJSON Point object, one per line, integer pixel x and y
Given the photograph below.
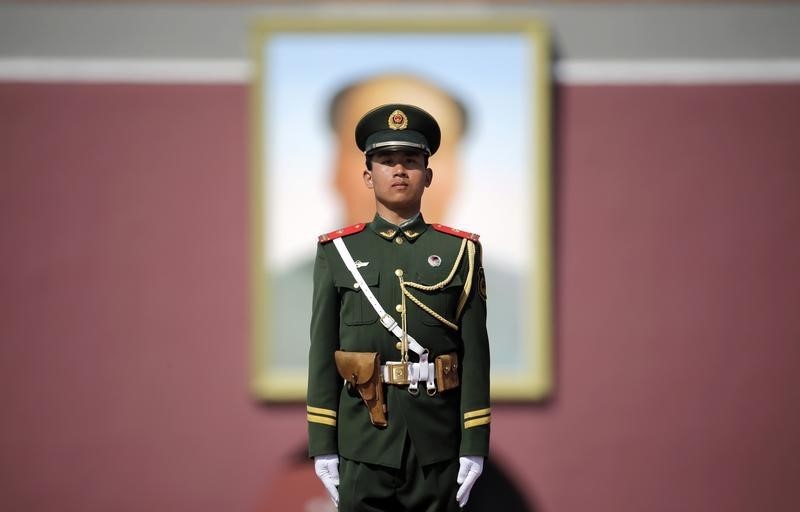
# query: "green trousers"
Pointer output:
{"type": "Point", "coordinates": [372, 488]}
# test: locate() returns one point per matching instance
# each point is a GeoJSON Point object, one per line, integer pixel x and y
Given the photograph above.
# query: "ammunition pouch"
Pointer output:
{"type": "Point", "coordinates": [362, 371]}
{"type": "Point", "coordinates": [446, 372]}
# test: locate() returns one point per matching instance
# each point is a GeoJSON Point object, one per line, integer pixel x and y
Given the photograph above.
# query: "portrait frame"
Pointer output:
{"type": "Point", "coordinates": [282, 136]}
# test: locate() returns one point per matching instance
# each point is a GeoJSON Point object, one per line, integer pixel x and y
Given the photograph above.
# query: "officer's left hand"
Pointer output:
{"type": "Point", "coordinates": [470, 469]}
{"type": "Point", "coordinates": [327, 469]}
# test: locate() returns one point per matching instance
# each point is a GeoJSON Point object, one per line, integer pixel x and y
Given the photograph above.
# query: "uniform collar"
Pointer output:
{"type": "Point", "coordinates": [411, 229]}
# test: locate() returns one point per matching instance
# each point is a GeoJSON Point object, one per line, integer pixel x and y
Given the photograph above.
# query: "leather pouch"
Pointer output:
{"type": "Point", "coordinates": [446, 372]}
{"type": "Point", "coordinates": [362, 371]}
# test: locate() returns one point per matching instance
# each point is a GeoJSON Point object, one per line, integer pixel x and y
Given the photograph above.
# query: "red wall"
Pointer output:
{"type": "Point", "coordinates": [123, 304]}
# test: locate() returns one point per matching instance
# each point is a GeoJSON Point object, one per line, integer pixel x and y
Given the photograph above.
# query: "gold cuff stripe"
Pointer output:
{"type": "Point", "coordinates": [321, 419]}
{"type": "Point", "coordinates": [319, 410]}
{"type": "Point", "coordinates": [479, 412]}
{"type": "Point", "coordinates": [477, 422]}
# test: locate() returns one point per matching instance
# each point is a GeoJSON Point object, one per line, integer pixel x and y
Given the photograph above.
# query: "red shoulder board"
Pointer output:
{"type": "Point", "coordinates": [456, 232]}
{"type": "Point", "coordinates": [349, 230]}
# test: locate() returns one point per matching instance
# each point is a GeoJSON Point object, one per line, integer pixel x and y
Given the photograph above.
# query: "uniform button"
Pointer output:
{"type": "Point", "coordinates": [398, 345]}
{"type": "Point", "coordinates": [356, 286]}
{"type": "Point", "coordinates": [399, 308]}
{"type": "Point", "coordinates": [399, 240]}
{"type": "Point", "coordinates": [399, 272]}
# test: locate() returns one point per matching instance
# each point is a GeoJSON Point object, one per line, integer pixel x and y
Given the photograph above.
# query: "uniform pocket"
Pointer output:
{"type": "Point", "coordinates": [356, 309]}
{"type": "Point", "coordinates": [442, 301]}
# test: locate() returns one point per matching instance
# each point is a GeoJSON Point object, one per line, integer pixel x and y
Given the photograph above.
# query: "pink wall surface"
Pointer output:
{"type": "Point", "coordinates": [123, 304]}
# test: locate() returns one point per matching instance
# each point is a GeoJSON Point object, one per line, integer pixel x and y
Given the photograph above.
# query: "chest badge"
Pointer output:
{"type": "Point", "coordinates": [434, 260]}
{"type": "Point", "coordinates": [360, 263]}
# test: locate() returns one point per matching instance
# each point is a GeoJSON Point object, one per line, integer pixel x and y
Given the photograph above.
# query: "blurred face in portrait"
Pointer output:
{"type": "Point", "coordinates": [359, 202]}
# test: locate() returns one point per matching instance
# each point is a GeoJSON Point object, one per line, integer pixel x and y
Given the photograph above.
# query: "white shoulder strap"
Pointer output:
{"type": "Point", "coordinates": [387, 321]}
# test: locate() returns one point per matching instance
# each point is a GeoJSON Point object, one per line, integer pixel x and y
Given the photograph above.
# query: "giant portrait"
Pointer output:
{"type": "Point", "coordinates": [487, 83]}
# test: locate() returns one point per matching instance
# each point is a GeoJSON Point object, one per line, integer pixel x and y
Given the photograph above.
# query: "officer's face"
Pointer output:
{"type": "Point", "coordinates": [358, 203]}
{"type": "Point", "coordinates": [398, 179]}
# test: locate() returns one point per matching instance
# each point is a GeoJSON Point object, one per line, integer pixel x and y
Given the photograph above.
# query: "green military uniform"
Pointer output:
{"type": "Point", "coordinates": [433, 274]}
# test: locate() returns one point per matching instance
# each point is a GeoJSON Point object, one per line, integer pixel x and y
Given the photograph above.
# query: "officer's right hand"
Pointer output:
{"type": "Point", "coordinates": [327, 469]}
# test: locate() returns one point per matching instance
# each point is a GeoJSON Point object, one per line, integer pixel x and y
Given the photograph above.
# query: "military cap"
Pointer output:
{"type": "Point", "coordinates": [398, 126]}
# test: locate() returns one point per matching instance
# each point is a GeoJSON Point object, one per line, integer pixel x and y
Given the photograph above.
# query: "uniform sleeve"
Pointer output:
{"type": "Point", "coordinates": [324, 383]}
{"type": "Point", "coordinates": [475, 407]}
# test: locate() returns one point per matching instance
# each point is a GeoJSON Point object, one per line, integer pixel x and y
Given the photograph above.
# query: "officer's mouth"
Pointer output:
{"type": "Point", "coordinates": [400, 185]}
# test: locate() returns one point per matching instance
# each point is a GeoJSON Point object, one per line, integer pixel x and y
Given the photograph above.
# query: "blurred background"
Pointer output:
{"type": "Point", "coordinates": [124, 262]}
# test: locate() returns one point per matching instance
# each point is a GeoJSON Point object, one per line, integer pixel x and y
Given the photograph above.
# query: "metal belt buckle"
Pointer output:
{"type": "Point", "coordinates": [398, 372]}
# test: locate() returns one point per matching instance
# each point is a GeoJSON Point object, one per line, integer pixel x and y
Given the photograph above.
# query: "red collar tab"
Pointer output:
{"type": "Point", "coordinates": [456, 232]}
{"type": "Point", "coordinates": [349, 230]}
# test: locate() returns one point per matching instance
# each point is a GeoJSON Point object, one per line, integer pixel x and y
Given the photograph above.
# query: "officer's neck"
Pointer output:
{"type": "Point", "coordinates": [396, 217]}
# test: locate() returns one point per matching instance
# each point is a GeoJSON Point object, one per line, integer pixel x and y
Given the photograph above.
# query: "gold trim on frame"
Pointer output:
{"type": "Point", "coordinates": [287, 385]}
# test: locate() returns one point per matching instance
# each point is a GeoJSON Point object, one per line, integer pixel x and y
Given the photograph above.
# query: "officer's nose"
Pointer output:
{"type": "Point", "coordinates": [400, 170]}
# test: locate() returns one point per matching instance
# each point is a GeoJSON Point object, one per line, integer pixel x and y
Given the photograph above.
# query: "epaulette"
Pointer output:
{"type": "Point", "coordinates": [456, 232]}
{"type": "Point", "coordinates": [349, 230]}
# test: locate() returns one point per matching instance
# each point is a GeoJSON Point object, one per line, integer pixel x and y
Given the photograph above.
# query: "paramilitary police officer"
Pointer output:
{"type": "Point", "coordinates": [398, 384]}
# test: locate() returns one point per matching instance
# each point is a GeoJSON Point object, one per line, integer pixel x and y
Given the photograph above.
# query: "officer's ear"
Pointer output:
{"type": "Point", "coordinates": [428, 177]}
{"type": "Point", "coordinates": [367, 178]}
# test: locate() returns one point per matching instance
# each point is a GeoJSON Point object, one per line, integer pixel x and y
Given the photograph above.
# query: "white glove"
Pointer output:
{"type": "Point", "coordinates": [471, 468]}
{"type": "Point", "coordinates": [327, 469]}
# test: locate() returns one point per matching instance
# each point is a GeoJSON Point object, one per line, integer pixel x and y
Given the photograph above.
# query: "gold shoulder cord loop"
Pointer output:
{"type": "Point", "coordinates": [470, 246]}
{"type": "Point", "coordinates": [442, 284]}
{"type": "Point", "coordinates": [431, 312]}
{"type": "Point", "coordinates": [462, 301]}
